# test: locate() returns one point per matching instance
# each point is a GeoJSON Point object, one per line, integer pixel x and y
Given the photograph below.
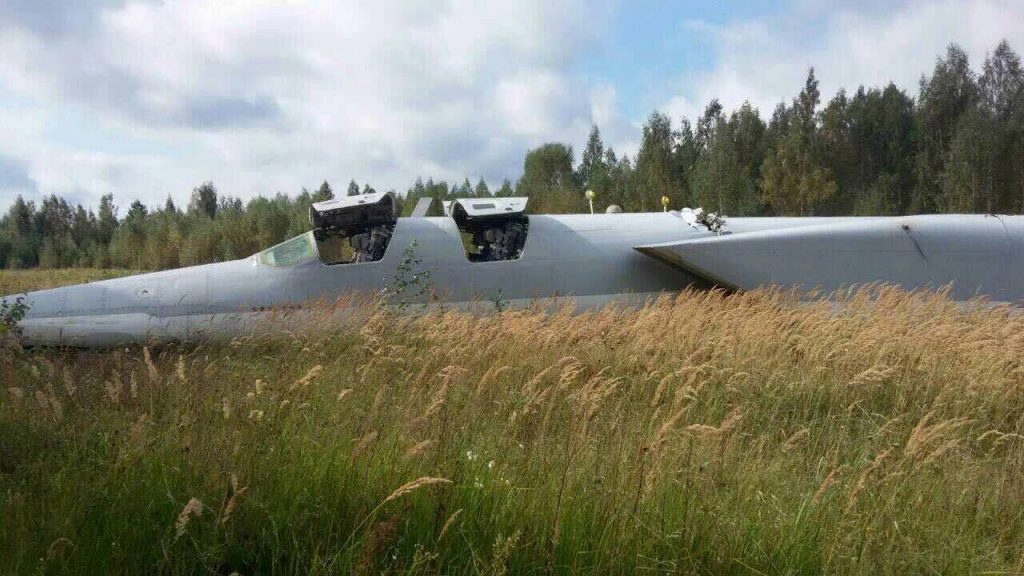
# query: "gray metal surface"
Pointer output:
{"type": "Point", "coordinates": [422, 207]}
{"type": "Point", "coordinates": [978, 255]}
{"type": "Point", "coordinates": [589, 258]}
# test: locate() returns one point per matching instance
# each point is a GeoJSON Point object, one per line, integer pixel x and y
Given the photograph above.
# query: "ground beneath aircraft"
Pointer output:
{"type": "Point", "coordinates": [710, 434]}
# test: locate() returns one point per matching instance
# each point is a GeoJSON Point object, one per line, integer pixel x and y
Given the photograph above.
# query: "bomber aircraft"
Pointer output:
{"type": "Point", "coordinates": [491, 250]}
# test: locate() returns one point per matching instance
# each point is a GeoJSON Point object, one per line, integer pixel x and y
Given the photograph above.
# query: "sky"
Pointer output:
{"type": "Point", "coordinates": [147, 99]}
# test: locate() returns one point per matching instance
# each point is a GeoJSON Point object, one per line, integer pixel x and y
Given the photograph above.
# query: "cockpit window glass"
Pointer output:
{"type": "Point", "coordinates": [289, 252]}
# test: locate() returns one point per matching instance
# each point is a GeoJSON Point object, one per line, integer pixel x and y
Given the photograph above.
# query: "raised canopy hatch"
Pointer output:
{"type": "Point", "coordinates": [353, 214]}
{"type": "Point", "coordinates": [483, 208]}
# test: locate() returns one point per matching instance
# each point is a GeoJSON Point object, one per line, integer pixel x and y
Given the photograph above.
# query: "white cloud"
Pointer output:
{"type": "Point", "coordinates": [266, 96]}
{"type": "Point", "coordinates": [766, 61]}
{"type": "Point", "coordinates": [144, 99]}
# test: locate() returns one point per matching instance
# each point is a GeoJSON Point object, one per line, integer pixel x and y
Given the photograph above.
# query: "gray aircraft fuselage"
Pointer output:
{"type": "Point", "coordinates": [591, 259]}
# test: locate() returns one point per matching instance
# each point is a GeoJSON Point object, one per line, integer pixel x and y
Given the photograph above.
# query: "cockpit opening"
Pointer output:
{"type": "Point", "coordinates": [492, 229]}
{"type": "Point", "coordinates": [336, 247]}
{"type": "Point", "coordinates": [353, 229]}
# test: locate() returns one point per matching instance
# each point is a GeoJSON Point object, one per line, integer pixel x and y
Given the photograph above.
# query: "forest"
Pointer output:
{"type": "Point", "coordinates": [958, 146]}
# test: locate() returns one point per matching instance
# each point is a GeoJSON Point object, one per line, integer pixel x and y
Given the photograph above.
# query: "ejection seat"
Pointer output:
{"type": "Point", "coordinates": [360, 244]}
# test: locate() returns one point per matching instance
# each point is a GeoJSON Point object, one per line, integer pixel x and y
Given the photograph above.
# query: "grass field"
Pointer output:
{"type": "Point", "coordinates": [707, 434]}
{"type": "Point", "coordinates": [16, 281]}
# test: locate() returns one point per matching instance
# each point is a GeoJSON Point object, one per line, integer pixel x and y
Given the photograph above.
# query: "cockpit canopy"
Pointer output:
{"type": "Point", "coordinates": [353, 214]}
{"type": "Point", "coordinates": [487, 208]}
{"type": "Point", "coordinates": [357, 229]}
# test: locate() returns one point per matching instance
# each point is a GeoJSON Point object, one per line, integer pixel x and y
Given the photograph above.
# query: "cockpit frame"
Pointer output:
{"type": "Point", "coordinates": [492, 229]}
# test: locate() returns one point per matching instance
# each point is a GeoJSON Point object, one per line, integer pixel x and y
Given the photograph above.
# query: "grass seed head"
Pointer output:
{"type": "Point", "coordinates": [414, 485]}
{"type": "Point", "coordinates": [193, 509]}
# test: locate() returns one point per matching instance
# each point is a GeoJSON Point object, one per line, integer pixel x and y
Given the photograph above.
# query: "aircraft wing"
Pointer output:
{"type": "Point", "coordinates": [915, 252]}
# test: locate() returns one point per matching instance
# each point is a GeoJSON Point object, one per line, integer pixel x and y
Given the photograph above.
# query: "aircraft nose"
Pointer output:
{"type": "Point", "coordinates": [82, 300]}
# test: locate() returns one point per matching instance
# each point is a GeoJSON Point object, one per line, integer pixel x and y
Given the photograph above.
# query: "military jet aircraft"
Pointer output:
{"type": "Point", "coordinates": [490, 250]}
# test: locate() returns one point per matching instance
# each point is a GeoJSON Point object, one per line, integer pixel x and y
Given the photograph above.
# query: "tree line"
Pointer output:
{"type": "Point", "coordinates": [957, 147]}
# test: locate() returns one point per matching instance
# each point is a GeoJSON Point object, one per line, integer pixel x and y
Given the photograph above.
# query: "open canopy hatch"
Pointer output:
{"type": "Point", "coordinates": [487, 208]}
{"type": "Point", "coordinates": [353, 214]}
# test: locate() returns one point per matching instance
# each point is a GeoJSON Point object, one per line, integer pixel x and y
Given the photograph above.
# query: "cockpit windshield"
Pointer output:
{"type": "Point", "coordinates": [290, 252]}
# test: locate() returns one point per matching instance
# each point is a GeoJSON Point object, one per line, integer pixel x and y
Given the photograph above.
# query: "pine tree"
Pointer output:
{"type": "Point", "coordinates": [592, 172]}
{"type": "Point", "coordinates": [655, 169]}
{"type": "Point", "coordinates": [204, 200]}
{"type": "Point", "coordinates": [792, 180]}
{"type": "Point", "coordinates": [107, 219]}
{"type": "Point", "coordinates": [481, 190]}
{"type": "Point", "coordinates": [323, 193]}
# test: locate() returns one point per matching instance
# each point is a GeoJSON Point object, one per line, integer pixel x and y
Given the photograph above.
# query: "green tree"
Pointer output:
{"type": "Point", "coordinates": [549, 181]}
{"type": "Point", "coordinates": [944, 98]}
{"type": "Point", "coordinates": [323, 193]}
{"type": "Point", "coordinates": [22, 239]}
{"type": "Point", "coordinates": [622, 182]}
{"type": "Point", "coordinates": [686, 153]}
{"type": "Point", "coordinates": [967, 182]}
{"type": "Point", "coordinates": [506, 189]}
{"type": "Point", "coordinates": [792, 180]}
{"type": "Point", "coordinates": [55, 219]}
{"type": "Point", "coordinates": [592, 172]}
{"type": "Point", "coordinates": [1001, 88]}
{"type": "Point", "coordinates": [204, 200]}
{"type": "Point", "coordinates": [656, 174]}
{"type": "Point", "coordinates": [481, 190]}
{"type": "Point", "coordinates": [725, 176]}
{"type": "Point", "coordinates": [792, 185]}
{"type": "Point", "coordinates": [107, 221]}
{"type": "Point", "coordinates": [131, 237]}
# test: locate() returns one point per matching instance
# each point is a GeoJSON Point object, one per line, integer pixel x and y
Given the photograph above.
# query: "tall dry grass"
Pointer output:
{"type": "Point", "coordinates": [703, 433]}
